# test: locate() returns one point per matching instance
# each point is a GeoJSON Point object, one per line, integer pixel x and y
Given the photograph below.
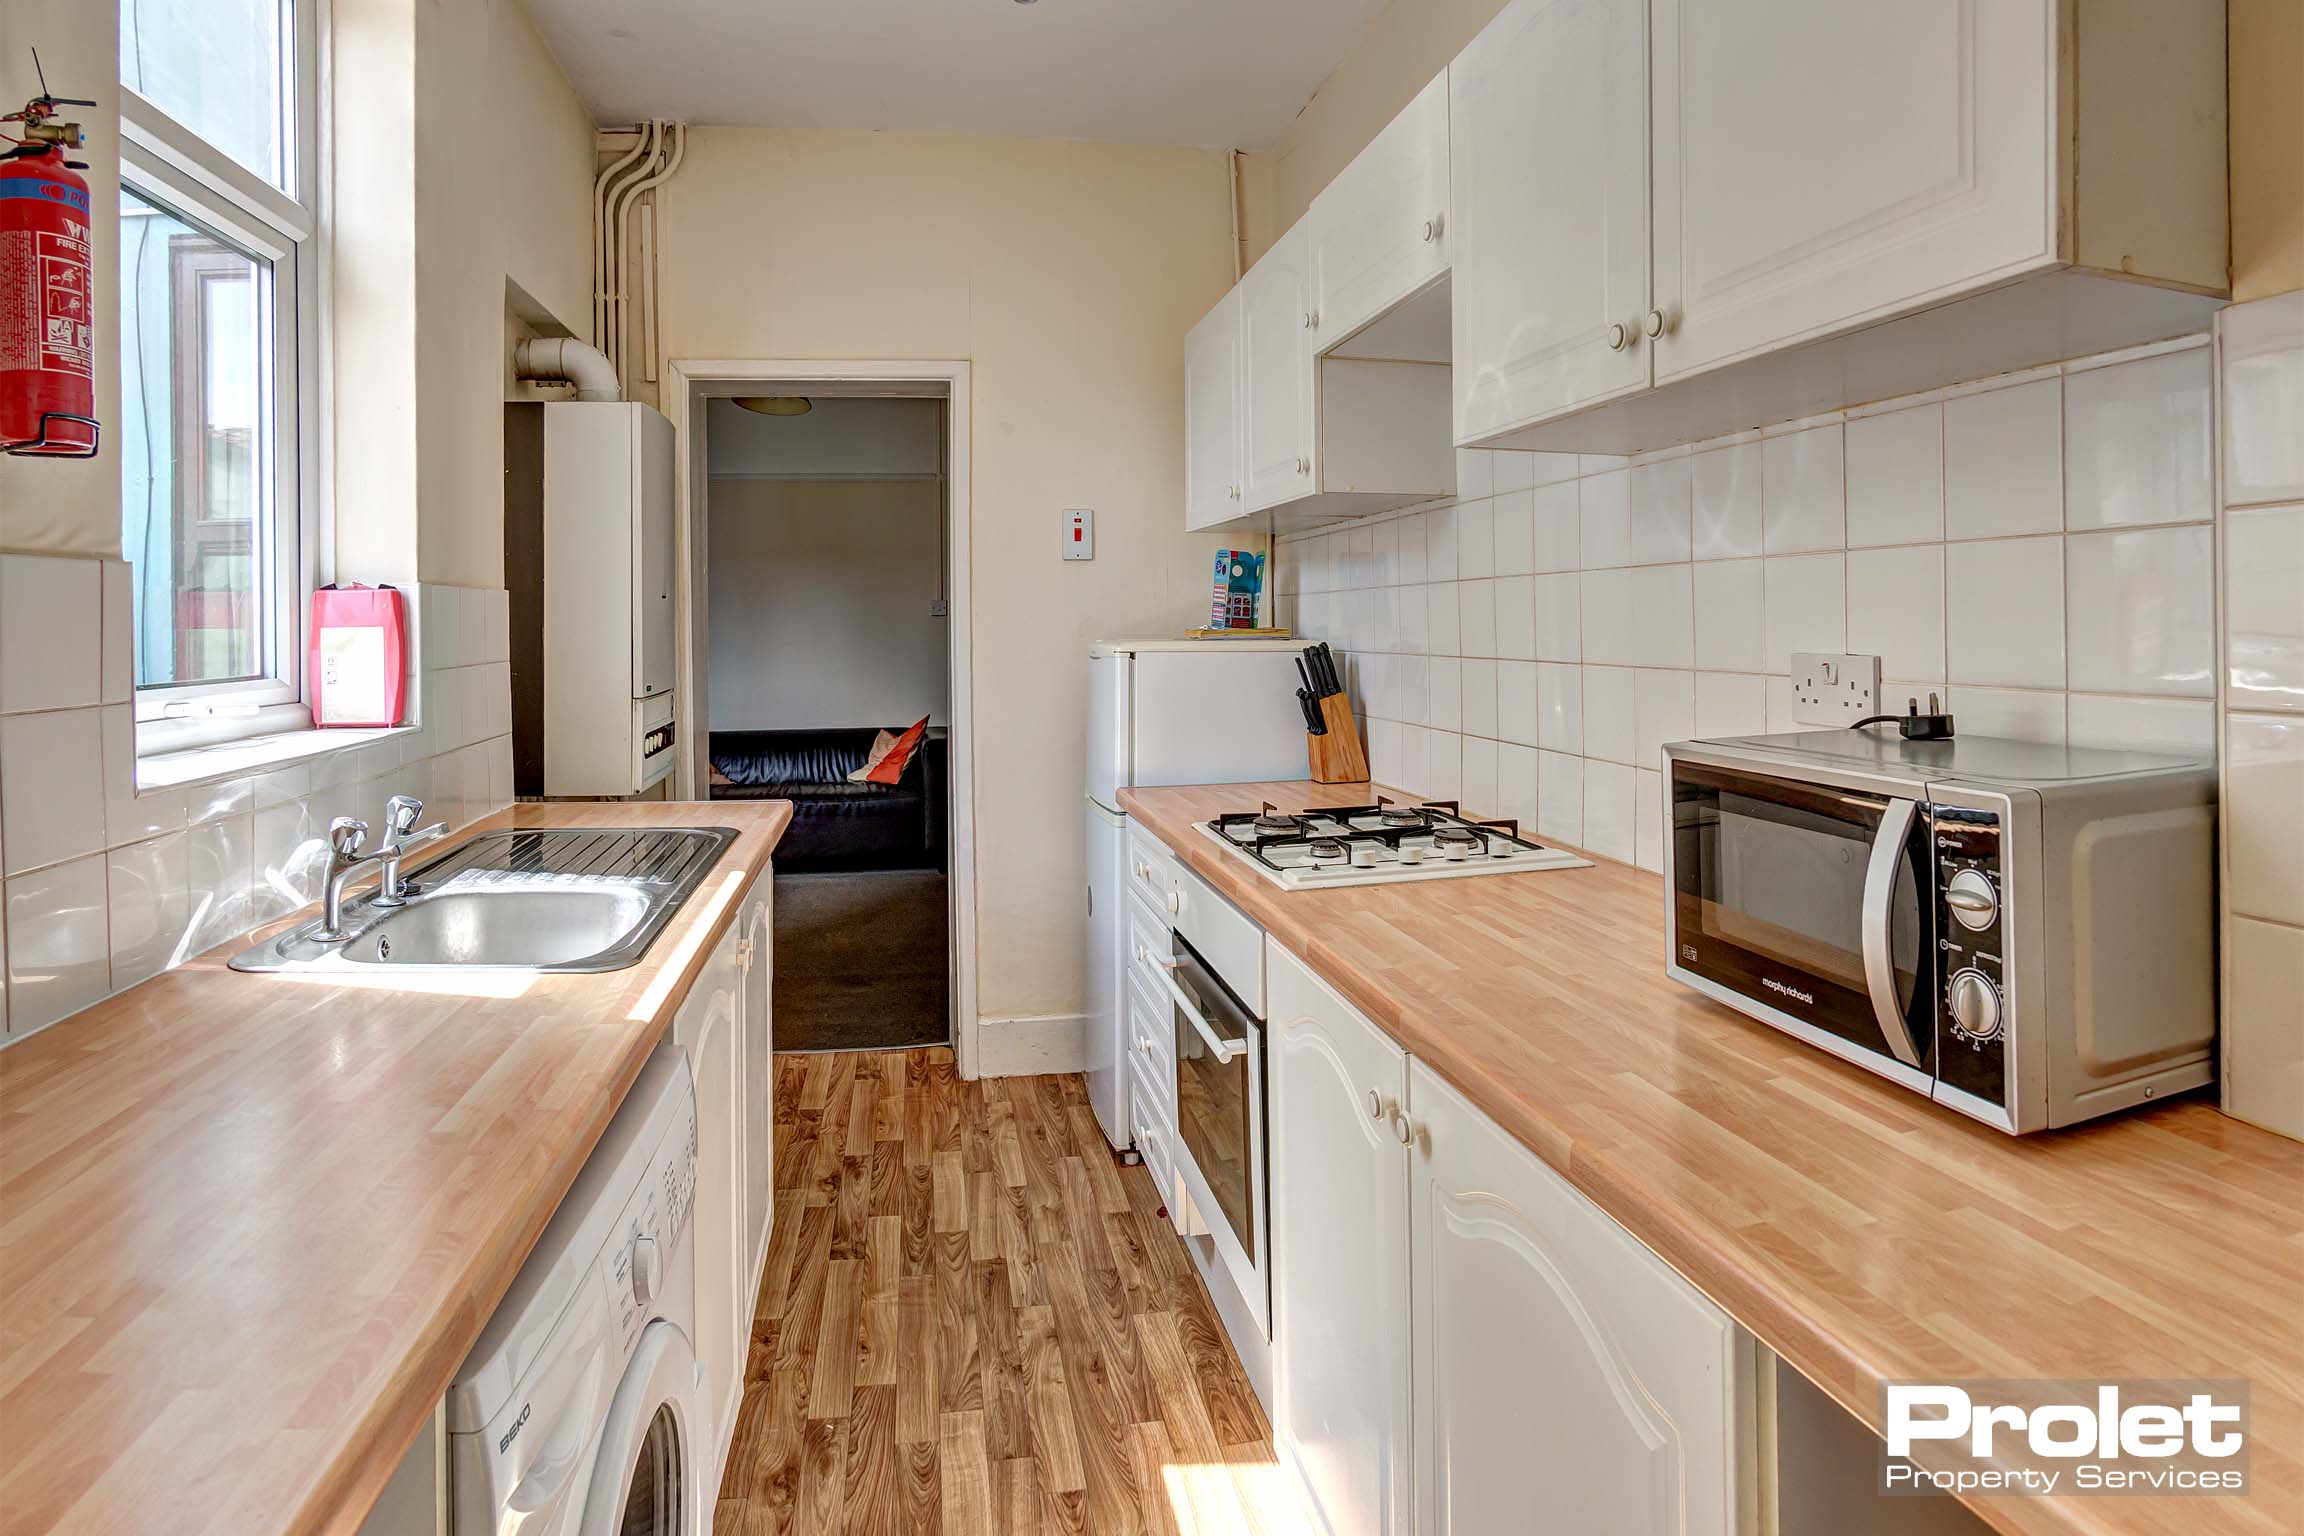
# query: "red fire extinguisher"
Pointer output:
{"type": "Point", "coordinates": [47, 289]}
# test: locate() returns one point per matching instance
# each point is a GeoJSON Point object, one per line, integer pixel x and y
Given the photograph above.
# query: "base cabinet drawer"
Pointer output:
{"type": "Point", "coordinates": [1155, 1143]}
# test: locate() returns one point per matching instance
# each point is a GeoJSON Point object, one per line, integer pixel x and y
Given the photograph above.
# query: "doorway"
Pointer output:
{"type": "Point", "coordinates": [825, 526]}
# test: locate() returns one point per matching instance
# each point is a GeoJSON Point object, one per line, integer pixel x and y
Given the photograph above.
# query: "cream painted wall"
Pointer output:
{"type": "Point", "coordinates": [2267, 84]}
{"type": "Point", "coordinates": [55, 505]}
{"type": "Point", "coordinates": [1408, 43]}
{"type": "Point", "coordinates": [1066, 274]}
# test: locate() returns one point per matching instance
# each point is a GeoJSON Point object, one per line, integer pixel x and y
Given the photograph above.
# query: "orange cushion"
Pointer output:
{"type": "Point", "coordinates": [882, 744]}
{"type": "Point", "coordinates": [890, 768]}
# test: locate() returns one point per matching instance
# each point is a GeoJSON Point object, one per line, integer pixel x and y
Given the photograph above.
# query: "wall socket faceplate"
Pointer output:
{"type": "Point", "coordinates": [1834, 690]}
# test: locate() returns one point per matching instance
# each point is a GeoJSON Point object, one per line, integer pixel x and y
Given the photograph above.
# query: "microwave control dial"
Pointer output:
{"type": "Point", "coordinates": [1975, 1005]}
{"type": "Point", "coordinates": [1973, 899]}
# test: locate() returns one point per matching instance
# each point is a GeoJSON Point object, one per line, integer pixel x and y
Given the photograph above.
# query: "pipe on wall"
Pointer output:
{"type": "Point", "coordinates": [565, 360]}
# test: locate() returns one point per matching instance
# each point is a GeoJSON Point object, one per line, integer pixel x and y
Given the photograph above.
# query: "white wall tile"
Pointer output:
{"type": "Point", "coordinates": [1806, 601]}
{"type": "Point", "coordinates": [1516, 784]}
{"type": "Point", "coordinates": [1383, 635]}
{"type": "Point", "coordinates": [1479, 786]}
{"type": "Point", "coordinates": [1559, 617]}
{"type": "Point", "coordinates": [1728, 518]}
{"type": "Point", "coordinates": [1475, 473]}
{"type": "Point", "coordinates": [1664, 710]}
{"type": "Point", "coordinates": [58, 956]}
{"type": "Point", "coordinates": [1660, 516]}
{"type": "Point", "coordinates": [1556, 528]}
{"type": "Point", "coordinates": [1479, 686]}
{"type": "Point", "coordinates": [1550, 468]}
{"type": "Point", "coordinates": [1604, 505]}
{"type": "Point", "coordinates": [1560, 797]}
{"type": "Point", "coordinates": [52, 766]}
{"type": "Point", "coordinates": [1731, 615]}
{"type": "Point", "coordinates": [130, 815]}
{"type": "Point", "coordinates": [1384, 566]}
{"type": "Point", "coordinates": [439, 627]}
{"type": "Point", "coordinates": [1516, 702]}
{"type": "Point", "coordinates": [2137, 442]}
{"type": "Point", "coordinates": [1511, 469]}
{"type": "Point", "coordinates": [1610, 626]}
{"type": "Point", "coordinates": [2264, 815]}
{"type": "Point", "coordinates": [1475, 539]}
{"type": "Point", "coordinates": [2142, 611]}
{"type": "Point", "coordinates": [1804, 491]}
{"type": "Point", "coordinates": [1514, 533]}
{"type": "Point", "coordinates": [1444, 765]}
{"type": "Point", "coordinates": [1648, 818]}
{"type": "Point", "coordinates": [2264, 598]}
{"type": "Point", "coordinates": [1415, 560]}
{"type": "Point", "coordinates": [1896, 609]}
{"type": "Point", "coordinates": [50, 633]}
{"type": "Point", "coordinates": [1439, 544]}
{"type": "Point", "coordinates": [1608, 829]}
{"type": "Point", "coordinates": [1412, 684]}
{"type": "Point", "coordinates": [1477, 617]}
{"type": "Point", "coordinates": [1515, 598]}
{"type": "Point", "coordinates": [1443, 619]}
{"type": "Point", "coordinates": [1560, 707]}
{"type": "Point", "coordinates": [1610, 713]}
{"type": "Point", "coordinates": [2263, 348]}
{"type": "Point", "coordinates": [236, 797]}
{"type": "Point", "coordinates": [1663, 617]}
{"type": "Point", "coordinates": [1896, 477]}
{"type": "Point", "coordinates": [2183, 727]}
{"type": "Point", "coordinates": [1383, 740]}
{"type": "Point", "coordinates": [2004, 461]}
{"type": "Point", "coordinates": [2004, 612]}
{"type": "Point", "coordinates": [221, 875]}
{"type": "Point", "coordinates": [1444, 699]}
{"type": "Point", "coordinates": [117, 616]}
{"type": "Point", "coordinates": [2264, 1025]}
{"type": "Point", "coordinates": [2026, 715]}
{"type": "Point", "coordinates": [1730, 704]}
{"type": "Point", "coordinates": [1413, 759]}
{"type": "Point", "coordinates": [148, 903]}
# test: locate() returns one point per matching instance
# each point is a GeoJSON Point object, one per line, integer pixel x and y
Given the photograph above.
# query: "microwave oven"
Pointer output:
{"type": "Point", "coordinates": [2023, 932]}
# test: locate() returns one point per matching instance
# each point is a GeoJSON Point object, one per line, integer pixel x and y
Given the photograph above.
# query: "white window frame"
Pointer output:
{"type": "Point", "coordinates": [164, 162]}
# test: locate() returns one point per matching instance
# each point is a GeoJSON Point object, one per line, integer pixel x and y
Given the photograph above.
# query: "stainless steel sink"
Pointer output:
{"type": "Point", "coordinates": [538, 899]}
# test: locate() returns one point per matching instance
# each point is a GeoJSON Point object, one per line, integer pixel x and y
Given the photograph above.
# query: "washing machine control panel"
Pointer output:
{"type": "Point", "coordinates": [653, 1225]}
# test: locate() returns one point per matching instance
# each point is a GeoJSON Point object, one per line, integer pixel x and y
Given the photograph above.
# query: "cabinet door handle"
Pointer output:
{"type": "Point", "coordinates": [1431, 230]}
{"type": "Point", "coordinates": [1175, 902]}
{"type": "Point", "coordinates": [1376, 1105]}
{"type": "Point", "coordinates": [1307, 319]}
{"type": "Point", "coordinates": [1618, 336]}
{"type": "Point", "coordinates": [1303, 466]}
{"type": "Point", "coordinates": [1655, 323]}
{"type": "Point", "coordinates": [1406, 1129]}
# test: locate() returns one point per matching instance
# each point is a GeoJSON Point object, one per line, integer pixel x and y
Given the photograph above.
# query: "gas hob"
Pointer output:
{"type": "Point", "coordinates": [1380, 843]}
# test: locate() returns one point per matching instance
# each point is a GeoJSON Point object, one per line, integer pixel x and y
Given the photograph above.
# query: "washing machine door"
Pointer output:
{"type": "Point", "coordinates": [648, 1480]}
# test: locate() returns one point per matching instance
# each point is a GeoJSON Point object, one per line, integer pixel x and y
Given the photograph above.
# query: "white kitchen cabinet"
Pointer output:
{"type": "Point", "coordinates": [1548, 212]}
{"type": "Point", "coordinates": [1564, 1374]}
{"type": "Point", "coordinates": [1378, 232]}
{"type": "Point", "coordinates": [1212, 416]}
{"type": "Point", "coordinates": [710, 1029]}
{"type": "Point", "coordinates": [1276, 426]}
{"type": "Point", "coordinates": [1339, 1224]}
{"type": "Point", "coordinates": [755, 1012]}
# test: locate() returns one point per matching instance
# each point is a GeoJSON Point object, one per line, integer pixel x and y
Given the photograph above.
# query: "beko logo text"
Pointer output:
{"type": "Point", "coordinates": [1773, 985]}
{"type": "Point", "coordinates": [514, 1432]}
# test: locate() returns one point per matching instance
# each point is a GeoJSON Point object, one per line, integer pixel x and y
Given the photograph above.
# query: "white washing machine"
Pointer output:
{"type": "Point", "coordinates": [581, 1411]}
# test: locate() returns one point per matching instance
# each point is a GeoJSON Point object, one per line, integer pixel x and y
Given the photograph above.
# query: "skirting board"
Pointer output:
{"type": "Point", "coordinates": [1030, 1047]}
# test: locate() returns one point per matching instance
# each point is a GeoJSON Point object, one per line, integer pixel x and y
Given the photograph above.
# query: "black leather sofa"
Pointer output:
{"type": "Point", "coordinates": [836, 824]}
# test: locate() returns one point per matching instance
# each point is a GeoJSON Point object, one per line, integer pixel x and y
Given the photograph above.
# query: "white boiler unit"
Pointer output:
{"type": "Point", "coordinates": [610, 634]}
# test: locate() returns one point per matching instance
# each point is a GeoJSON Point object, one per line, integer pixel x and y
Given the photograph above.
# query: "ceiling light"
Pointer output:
{"type": "Point", "coordinates": [777, 405]}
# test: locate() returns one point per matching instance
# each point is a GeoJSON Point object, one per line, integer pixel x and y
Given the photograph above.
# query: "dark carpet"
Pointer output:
{"type": "Point", "coordinates": [860, 961]}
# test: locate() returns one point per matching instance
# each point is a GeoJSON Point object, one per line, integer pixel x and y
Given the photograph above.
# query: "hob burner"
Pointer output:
{"type": "Point", "coordinates": [1326, 850]}
{"type": "Point", "coordinates": [1457, 842]}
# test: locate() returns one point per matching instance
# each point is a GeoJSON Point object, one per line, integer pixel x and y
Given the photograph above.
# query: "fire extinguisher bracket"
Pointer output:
{"type": "Point", "coordinates": [57, 448]}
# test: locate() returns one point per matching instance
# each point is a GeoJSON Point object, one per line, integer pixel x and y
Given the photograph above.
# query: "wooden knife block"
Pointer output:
{"type": "Point", "coordinates": [1338, 757]}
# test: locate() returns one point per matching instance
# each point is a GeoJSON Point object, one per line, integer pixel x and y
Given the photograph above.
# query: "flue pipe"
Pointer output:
{"type": "Point", "coordinates": [601, 186]}
{"type": "Point", "coordinates": [619, 204]}
{"type": "Point", "coordinates": [657, 174]}
{"type": "Point", "coordinates": [565, 360]}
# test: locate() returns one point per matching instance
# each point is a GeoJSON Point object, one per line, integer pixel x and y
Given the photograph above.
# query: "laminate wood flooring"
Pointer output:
{"type": "Point", "coordinates": [975, 1321]}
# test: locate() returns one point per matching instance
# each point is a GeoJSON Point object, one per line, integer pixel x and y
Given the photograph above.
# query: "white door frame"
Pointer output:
{"type": "Point", "coordinates": [693, 380]}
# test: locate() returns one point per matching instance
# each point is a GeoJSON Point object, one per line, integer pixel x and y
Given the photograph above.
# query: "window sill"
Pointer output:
{"type": "Point", "coordinates": [251, 755]}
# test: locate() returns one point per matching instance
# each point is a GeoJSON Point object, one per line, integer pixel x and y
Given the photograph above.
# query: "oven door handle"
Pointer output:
{"type": "Point", "coordinates": [1879, 904]}
{"type": "Point", "coordinates": [1187, 1005]}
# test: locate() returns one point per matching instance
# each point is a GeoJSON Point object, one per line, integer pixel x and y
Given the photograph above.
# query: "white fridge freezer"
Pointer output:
{"type": "Point", "coordinates": [1167, 712]}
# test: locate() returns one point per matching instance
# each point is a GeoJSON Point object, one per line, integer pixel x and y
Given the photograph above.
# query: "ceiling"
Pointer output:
{"type": "Point", "coordinates": [1214, 73]}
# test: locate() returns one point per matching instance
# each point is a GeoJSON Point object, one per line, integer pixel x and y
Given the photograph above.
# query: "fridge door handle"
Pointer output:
{"type": "Point", "coordinates": [1879, 907]}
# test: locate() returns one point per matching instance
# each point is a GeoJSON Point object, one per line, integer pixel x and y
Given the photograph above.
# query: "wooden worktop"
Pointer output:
{"type": "Point", "coordinates": [1858, 1230]}
{"type": "Point", "coordinates": [250, 1225]}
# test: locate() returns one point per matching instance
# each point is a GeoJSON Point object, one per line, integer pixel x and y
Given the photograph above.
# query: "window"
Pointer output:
{"type": "Point", "coordinates": [218, 356]}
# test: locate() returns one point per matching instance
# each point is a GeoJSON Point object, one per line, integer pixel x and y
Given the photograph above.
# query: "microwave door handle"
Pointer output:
{"type": "Point", "coordinates": [1879, 903]}
{"type": "Point", "coordinates": [1185, 1004]}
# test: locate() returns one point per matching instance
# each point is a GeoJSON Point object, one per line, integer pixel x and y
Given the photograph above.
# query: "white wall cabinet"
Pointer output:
{"type": "Point", "coordinates": [1212, 416]}
{"type": "Point", "coordinates": [1560, 1366]}
{"type": "Point", "coordinates": [1548, 198]}
{"type": "Point", "coordinates": [1378, 233]}
{"type": "Point", "coordinates": [1339, 1224]}
{"type": "Point", "coordinates": [1671, 221]}
{"type": "Point", "coordinates": [1276, 426]}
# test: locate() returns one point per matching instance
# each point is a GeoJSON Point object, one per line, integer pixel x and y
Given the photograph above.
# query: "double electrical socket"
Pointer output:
{"type": "Point", "coordinates": [1834, 690]}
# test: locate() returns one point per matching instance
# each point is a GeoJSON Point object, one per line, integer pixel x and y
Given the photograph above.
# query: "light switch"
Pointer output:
{"type": "Point", "coordinates": [1080, 533]}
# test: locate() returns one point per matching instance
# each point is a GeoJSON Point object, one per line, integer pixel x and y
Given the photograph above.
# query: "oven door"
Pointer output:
{"type": "Point", "coordinates": [1808, 905]}
{"type": "Point", "coordinates": [1220, 1115]}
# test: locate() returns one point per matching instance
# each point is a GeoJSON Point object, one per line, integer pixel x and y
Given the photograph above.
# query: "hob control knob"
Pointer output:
{"type": "Point", "coordinates": [1973, 900]}
{"type": "Point", "coordinates": [1975, 1005]}
{"type": "Point", "coordinates": [647, 1269]}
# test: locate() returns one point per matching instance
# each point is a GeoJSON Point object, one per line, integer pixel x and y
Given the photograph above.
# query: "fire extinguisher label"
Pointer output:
{"type": "Point", "coordinates": [48, 274]}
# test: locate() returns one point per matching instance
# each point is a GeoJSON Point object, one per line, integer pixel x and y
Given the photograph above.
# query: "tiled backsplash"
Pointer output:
{"type": "Point", "coordinates": [2037, 549]}
{"type": "Point", "coordinates": [2262, 349]}
{"type": "Point", "coordinates": [105, 886]}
